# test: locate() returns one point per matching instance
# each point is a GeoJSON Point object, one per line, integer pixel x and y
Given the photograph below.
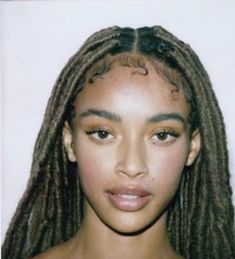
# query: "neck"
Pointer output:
{"type": "Point", "coordinates": [96, 240]}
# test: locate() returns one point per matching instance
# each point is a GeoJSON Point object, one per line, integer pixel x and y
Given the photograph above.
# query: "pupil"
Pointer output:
{"type": "Point", "coordinates": [162, 136]}
{"type": "Point", "coordinates": [103, 134]}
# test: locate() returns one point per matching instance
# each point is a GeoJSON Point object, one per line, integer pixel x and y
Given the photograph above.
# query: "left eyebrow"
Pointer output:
{"type": "Point", "coordinates": [166, 116]}
{"type": "Point", "coordinates": [101, 113]}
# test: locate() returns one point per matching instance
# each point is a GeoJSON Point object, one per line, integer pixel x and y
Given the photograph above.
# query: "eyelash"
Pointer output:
{"type": "Point", "coordinates": [97, 131]}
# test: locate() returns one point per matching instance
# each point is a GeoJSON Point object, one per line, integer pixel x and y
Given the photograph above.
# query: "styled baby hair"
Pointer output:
{"type": "Point", "coordinates": [200, 217]}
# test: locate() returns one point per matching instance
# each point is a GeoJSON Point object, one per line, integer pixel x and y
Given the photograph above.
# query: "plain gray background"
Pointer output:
{"type": "Point", "coordinates": [38, 37]}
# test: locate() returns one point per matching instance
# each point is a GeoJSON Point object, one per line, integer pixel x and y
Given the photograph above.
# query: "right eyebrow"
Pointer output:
{"type": "Point", "coordinates": [167, 116]}
{"type": "Point", "coordinates": [101, 113]}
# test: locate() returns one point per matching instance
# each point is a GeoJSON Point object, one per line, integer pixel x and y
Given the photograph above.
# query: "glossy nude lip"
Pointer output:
{"type": "Point", "coordinates": [128, 199]}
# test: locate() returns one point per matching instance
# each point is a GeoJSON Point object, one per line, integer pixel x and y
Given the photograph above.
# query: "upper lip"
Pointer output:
{"type": "Point", "coordinates": [129, 190]}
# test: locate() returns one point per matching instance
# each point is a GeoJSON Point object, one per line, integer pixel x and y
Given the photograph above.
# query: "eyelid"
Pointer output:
{"type": "Point", "coordinates": [166, 130]}
{"type": "Point", "coordinates": [98, 128]}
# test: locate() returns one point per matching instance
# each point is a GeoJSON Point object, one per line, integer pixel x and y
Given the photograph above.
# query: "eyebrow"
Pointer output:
{"type": "Point", "coordinates": [117, 118]}
{"type": "Point", "coordinates": [101, 113]}
{"type": "Point", "coordinates": [167, 116]}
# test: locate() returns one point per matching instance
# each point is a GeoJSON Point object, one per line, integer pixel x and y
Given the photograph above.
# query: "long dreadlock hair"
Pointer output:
{"type": "Point", "coordinates": [201, 218]}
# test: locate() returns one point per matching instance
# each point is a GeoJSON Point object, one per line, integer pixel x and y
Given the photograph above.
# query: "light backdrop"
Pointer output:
{"type": "Point", "coordinates": [38, 37]}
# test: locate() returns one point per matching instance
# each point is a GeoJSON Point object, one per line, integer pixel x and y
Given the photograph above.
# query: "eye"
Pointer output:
{"type": "Point", "coordinates": [162, 136]}
{"type": "Point", "coordinates": [100, 134]}
{"type": "Point", "coordinates": [165, 136]}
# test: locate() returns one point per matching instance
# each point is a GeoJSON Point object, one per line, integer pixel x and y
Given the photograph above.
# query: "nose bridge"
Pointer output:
{"type": "Point", "coordinates": [132, 160]}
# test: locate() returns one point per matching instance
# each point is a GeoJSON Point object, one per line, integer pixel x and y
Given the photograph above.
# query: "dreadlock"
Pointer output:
{"type": "Point", "coordinates": [201, 217]}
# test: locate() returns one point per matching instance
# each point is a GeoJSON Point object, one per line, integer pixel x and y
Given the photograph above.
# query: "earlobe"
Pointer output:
{"type": "Point", "coordinates": [68, 142]}
{"type": "Point", "coordinates": [195, 146]}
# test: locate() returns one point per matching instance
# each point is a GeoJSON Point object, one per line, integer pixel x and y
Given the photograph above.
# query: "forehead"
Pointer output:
{"type": "Point", "coordinates": [123, 87]}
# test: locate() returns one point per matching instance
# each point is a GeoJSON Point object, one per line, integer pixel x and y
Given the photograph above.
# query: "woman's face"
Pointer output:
{"type": "Point", "coordinates": [131, 142]}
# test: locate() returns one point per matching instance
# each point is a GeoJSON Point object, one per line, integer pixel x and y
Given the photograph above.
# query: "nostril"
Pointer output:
{"type": "Point", "coordinates": [132, 172]}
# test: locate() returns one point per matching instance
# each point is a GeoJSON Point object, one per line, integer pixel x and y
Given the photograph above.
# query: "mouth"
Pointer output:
{"type": "Point", "coordinates": [128, 199]}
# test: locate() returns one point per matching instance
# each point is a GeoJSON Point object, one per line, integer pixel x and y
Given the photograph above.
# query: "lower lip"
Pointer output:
{"type": "Point", "coordinates": [128, 204]}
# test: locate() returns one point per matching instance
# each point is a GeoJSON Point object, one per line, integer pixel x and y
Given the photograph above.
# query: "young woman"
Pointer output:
{"type": "Point", "coordinates": [131, 159]}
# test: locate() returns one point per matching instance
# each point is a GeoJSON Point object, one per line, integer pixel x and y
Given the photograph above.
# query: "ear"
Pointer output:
{"type": "Point", "coordinates": [195, 146]}
{"type": "Point", "coordinates": [68, 142]}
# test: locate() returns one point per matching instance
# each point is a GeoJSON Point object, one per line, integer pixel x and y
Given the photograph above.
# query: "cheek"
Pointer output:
{"type": "Point", "coordinates": [95, 165]}
{"type": "Point", "coordinates": [167, 165]}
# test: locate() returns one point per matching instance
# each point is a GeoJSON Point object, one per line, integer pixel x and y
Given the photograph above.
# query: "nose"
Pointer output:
{"type": "Point", "coordinates": [132, 160]}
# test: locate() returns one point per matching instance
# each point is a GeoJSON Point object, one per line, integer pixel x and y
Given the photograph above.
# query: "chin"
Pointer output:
{"type": "Point", "coordinates": [129, 224]}
{"type": "Point", "coordinates": [128, 230]}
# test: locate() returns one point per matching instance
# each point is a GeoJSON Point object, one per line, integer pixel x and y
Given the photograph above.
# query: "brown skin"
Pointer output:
{"type": "Point", "coordinates": [132, 152]}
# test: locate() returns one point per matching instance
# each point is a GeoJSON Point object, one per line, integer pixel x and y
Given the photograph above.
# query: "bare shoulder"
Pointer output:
{"type": "Point", "coordinates": [57, 252]}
